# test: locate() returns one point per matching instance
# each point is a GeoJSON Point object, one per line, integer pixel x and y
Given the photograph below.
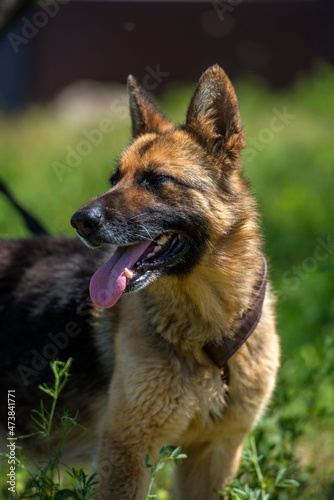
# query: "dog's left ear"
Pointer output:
{"type": "Point", "coordinates": [145, 117]}
{"type": "Point", "coordinates": [213, 115]}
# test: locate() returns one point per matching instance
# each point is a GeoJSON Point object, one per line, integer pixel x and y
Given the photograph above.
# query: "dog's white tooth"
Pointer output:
{"type": "Point", "coordinates": [157, 248]}
{"type": "Point", "coordinates": [128, 273]}
{"type": "Point", "coordinates": [151, 254]}
{"type": "Point", "coordinates": [162, 240]}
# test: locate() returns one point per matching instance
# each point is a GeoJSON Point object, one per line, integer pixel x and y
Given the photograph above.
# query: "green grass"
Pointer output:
{"type": "Point", "coordinates": [291, 172]}
{"type": "Point", "coordinates": [49, 481]}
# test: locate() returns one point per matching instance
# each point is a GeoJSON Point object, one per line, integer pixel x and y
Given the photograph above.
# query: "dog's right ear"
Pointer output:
{"type": "Point", "coordinates": [213, 116]}
{"type": "Point", "coordinates": [145, 117]}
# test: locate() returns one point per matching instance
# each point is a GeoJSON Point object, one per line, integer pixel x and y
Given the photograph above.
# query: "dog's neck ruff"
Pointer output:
{"type": "Point", "coordinates": [221, 353]}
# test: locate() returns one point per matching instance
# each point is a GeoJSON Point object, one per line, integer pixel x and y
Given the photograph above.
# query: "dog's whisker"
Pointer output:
{"type": "Point", "coordinates": [136, 216]}
{"type": "Point", "coordinates": [212, 247]}
{"type": "Point", "coordinates": [148, 232]}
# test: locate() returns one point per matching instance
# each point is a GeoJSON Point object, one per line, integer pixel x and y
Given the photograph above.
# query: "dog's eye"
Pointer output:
{"type": "Point", "coordinates": [155, 181]}
{"type": "Point", "coordinates": [114, 178]}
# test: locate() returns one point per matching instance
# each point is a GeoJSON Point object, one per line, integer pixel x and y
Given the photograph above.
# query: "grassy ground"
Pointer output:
{"type": "Point", "coordinates": [289, 160]}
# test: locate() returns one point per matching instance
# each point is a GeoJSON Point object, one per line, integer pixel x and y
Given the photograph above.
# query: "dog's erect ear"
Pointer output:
{"type": "Point", "coordinates": [213, 115]}
{"type": "Point", "coordinates": [145, 116]}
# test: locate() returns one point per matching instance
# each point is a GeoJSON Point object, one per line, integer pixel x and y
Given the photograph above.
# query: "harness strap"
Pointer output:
{"type": "Point", "coordinates": [220, 353]}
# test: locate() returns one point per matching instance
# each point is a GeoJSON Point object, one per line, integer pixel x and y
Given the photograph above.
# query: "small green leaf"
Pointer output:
{"type": "Point", "coordinates": [159, 466]}
{"type": "Point", "coordinates": [176, 452]}
{"type": "Point", "coordinates": [47, 390]}
{"type": "Point", "coordinates": [147, 461]}
{"type": "Point", "coordinates": [243, 494]}
{"type": "Point", "coordinates": [281, 473]}
{"type": "Point", "coordinates": [288, 483]}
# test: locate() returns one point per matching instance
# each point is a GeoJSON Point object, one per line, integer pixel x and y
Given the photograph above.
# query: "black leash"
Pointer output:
{"type": "Point", "coordinates": [32, 224]}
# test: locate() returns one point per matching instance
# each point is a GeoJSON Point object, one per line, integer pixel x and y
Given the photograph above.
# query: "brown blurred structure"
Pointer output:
{"type": "Point", "coordinates": [44, 51]}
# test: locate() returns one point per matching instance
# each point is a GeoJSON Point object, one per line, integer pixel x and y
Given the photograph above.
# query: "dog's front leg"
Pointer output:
{"type": "Point", "coordinates": [143, 415]}
{"type": "Point", "coordinates": [124, 441]}
{"type": "Point", "coordinates": [121, 472]}
{"type": "Point", "coordinates": [208, 466]}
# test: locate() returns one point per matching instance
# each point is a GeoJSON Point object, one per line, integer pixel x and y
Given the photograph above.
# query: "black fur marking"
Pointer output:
{"type": "Point", "coordinates": [115, 177]}
{"type": "Point", "coordinates": [154, 178]}
{"type": "Point", "coordinates": [189, 225]}
{"type": "Point", "coordinates": [46, 314]}
{"type": "Point", "coordinates": [146, 146]}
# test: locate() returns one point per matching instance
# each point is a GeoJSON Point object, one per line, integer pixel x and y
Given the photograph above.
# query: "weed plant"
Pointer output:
{"type": "Point", "coordinates": [45, 482]}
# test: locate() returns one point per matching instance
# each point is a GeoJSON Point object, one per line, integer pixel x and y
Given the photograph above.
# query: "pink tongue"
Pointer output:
{"type": "Point", "coordinates": [109, 281]}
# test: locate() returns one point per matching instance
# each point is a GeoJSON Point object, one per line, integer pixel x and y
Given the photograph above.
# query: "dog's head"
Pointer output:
{"type": "Point", "coordinates": [173, 193]}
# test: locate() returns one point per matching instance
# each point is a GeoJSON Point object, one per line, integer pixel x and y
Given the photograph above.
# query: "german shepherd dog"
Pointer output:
{"type": "Point", "coordinates": [191, 357]}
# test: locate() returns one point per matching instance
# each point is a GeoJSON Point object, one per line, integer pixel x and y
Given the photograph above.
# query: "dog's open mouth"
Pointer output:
{"type": "Point", "coordinates": [131, 267]}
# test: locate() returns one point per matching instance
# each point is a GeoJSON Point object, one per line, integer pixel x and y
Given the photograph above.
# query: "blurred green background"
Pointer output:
{"type": "Point", "coordinates": [49, 160]}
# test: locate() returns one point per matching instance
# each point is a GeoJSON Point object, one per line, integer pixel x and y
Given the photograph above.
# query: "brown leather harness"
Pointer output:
{"type": "Point", "coordinates": [220, 353]}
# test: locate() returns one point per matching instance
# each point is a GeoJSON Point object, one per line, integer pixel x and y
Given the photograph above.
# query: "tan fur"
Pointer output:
{"type": "Point", "coordinates": [165, 389]}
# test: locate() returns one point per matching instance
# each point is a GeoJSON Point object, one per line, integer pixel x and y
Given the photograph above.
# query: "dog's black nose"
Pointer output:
{"type": "Point", "coordinates": [86, 221]}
